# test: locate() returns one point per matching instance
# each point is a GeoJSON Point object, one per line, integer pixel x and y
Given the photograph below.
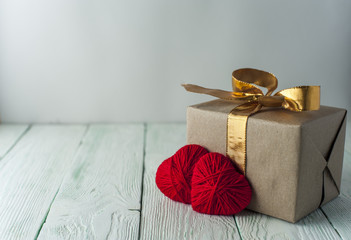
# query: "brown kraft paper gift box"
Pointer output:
{"type": "Point", "coordinates": [294, 159]}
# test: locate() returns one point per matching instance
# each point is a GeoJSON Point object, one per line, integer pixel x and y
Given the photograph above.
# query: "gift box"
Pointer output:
{"type": "Point", "coordinates": [293, 158]}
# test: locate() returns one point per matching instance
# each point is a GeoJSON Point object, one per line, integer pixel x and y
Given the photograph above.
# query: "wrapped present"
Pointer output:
{"type": "Point", "coordinates": [290, 148]}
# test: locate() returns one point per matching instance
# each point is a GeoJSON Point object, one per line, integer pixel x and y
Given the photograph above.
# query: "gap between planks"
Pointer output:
{"type": "Point", "coordinates": [142, 179]}
{"type": "Point", "coordinates": [58, 189]}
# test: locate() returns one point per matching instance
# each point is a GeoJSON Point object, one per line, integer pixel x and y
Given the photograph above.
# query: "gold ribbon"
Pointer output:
{"type": "Point", "coordinates": [252, 99]}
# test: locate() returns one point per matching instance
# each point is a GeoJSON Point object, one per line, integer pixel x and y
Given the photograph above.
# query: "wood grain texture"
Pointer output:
{"type": "Point", "coordinates": [338, 211]}
{"type": "Point", "coordinates": [346, 175]}
{"type": "Point", "coordinates": [30, 176]}
{"type": "Point", "coordinates": [162, 218]}
{"type": "Point", "coordinates": [258, 226]}
{"type": "Point", "coordinates": [100, 195]}
{"type": "Point", "coordinates": [101, 188]}
{"type": "Point", "coordinates": [9, 135]}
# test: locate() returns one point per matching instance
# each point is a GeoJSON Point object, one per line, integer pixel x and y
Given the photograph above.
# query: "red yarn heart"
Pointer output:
{"type": "Point", "coordinates": [217, 188]}
{"type": "Point", "coordinates": [173, 176]}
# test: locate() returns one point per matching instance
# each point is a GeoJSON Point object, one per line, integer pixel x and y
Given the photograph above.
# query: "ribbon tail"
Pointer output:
{"type": "Point", "coordinates": [225, 95]}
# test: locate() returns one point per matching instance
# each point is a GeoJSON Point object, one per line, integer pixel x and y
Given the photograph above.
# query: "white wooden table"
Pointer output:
{"type": "Point", "coordinates": [98, 182]}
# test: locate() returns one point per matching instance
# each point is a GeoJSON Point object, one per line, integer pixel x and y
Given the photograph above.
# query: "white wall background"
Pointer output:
{"type": "Point", "coordinates": [110, 60]}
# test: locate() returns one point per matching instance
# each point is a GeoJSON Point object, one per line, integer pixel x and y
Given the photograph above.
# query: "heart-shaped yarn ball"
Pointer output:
{"type": "Point", "coordinates": [217, 188]}
{"type": "Point", "coordinates": [173, 176]}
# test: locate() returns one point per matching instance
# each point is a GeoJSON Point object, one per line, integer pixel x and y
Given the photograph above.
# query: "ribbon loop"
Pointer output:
{"type": "Point", "coordinates": [244, 78]}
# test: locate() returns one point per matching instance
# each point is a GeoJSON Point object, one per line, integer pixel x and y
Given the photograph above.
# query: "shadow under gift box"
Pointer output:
{"type": "Point", "coordinates": [294, 159]}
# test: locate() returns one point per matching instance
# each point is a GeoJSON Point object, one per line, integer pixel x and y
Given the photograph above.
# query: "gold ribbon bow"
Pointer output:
{"type": "Point", "coordinates": [252, 99]}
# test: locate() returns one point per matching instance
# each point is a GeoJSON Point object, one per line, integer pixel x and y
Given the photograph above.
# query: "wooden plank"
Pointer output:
{"type": "Point", "coordinates": [338, 211]}
{"type": "Point", "coordinates": [339, 214]}
{"type": "Point", "coordinates": [100, 196]}
{"type": "Point", "coordinates": [258, 226]}
{"type": "Point", "coordinates": [162, 218]}
{"type": "Point", "coordinates": [9, 135]}
{"type": "Point", "coordinates": [346, 175]}
{"type": "Point", "coordinates": [30, 175]}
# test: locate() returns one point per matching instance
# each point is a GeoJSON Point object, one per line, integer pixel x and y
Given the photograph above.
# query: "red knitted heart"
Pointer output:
{"type": "Point", "coordinates": [217, 188]}
{"type": "Point", "coordinates": [173, 176]}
